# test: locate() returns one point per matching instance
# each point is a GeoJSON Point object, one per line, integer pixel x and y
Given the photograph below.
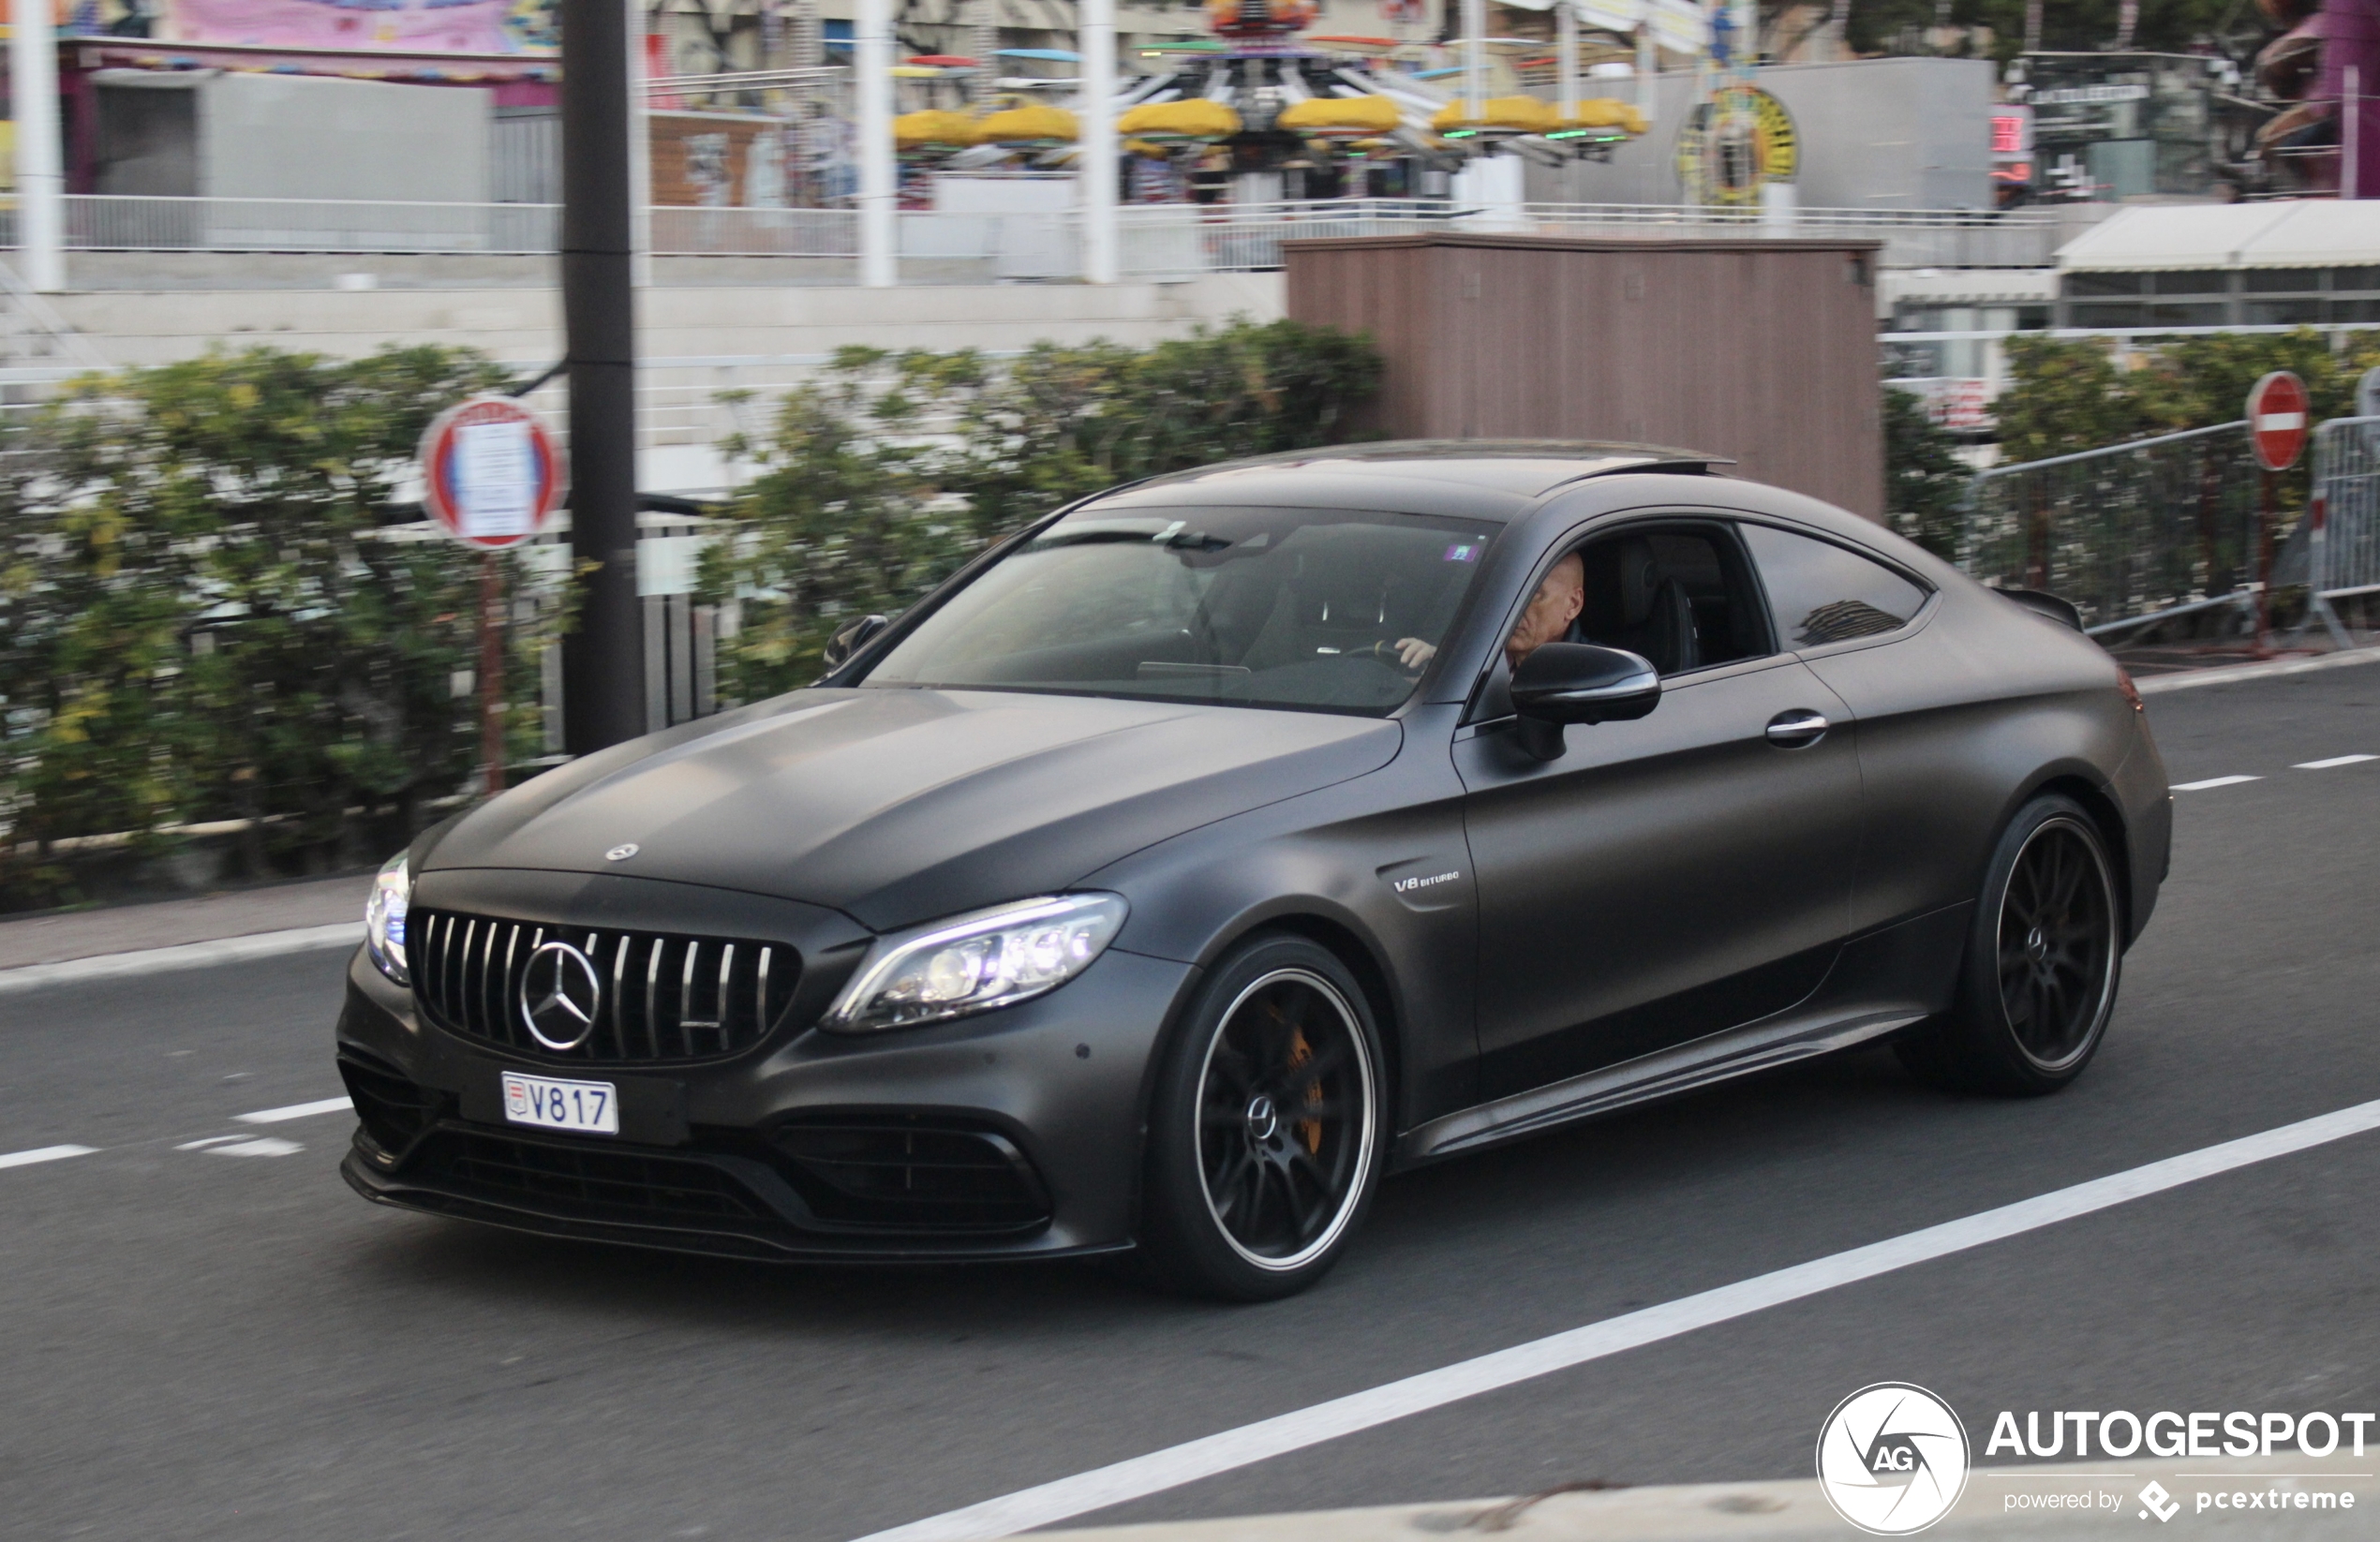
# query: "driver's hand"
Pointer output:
{"type": "Point", "coordinates": [1413, 652]}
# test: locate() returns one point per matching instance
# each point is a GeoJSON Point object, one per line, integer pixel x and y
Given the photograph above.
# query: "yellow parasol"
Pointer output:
{"type": "Point", "coordinates": [1034, 124]}
{"type": "Point", "coordinates": [1192, 118]}
{"type": "Point", "coordinates": [1341, 117]}
{"type": "Point", "coordinates": [1601, 118]}
{"type": "Point", "coordinates": [1498, 115]}
{"type": "Point", "coordinates": [934, 129]}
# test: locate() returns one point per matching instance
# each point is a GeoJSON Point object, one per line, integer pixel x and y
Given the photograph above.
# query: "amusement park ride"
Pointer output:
{"type": "Point", "coordinates": [1259, 98]}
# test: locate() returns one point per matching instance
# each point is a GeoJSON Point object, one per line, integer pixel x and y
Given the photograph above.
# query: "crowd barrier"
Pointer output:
{"type": "Point", "coordinates": [2343, 519]}
{"type": "Point", "coordinates": [2131, 533]}
{"type": "Point", "coordinates": [2154, 528]}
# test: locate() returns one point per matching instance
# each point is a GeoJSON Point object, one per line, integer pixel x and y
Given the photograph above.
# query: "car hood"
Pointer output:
{"type": "Point", "coordinates": [901, 806]}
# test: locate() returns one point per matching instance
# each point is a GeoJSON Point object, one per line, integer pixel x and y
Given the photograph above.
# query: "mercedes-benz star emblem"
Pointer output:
{"type": "Point", "coordinates": [560, 994]}
{"type": "Point", "coordinates": [620, 854]}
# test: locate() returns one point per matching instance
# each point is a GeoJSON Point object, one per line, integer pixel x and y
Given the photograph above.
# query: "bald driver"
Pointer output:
{"type": "Point", "coordinates": [1550, 612]}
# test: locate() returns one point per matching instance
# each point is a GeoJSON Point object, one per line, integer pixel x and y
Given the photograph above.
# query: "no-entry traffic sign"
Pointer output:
{"type": "Point", "coordinates": [2277, 414]}
{"type": "Point", "coordinates": [490, 475]}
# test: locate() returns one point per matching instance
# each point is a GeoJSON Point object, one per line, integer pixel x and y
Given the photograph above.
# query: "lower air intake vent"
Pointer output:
{"type": "Point", "coordinates": [658, 998]}
{"type": "Point", "coordinates": [901, 1173]}
{"type": "Point", "coordinates": [588, 1181]}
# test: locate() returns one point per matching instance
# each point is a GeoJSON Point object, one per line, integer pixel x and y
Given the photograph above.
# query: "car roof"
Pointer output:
{"type": "Point", "coordinates": [1474, 479]}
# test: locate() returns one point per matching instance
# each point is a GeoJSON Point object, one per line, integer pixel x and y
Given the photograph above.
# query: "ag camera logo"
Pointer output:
{"type": "Point", "coordinates": [1891, 1458]}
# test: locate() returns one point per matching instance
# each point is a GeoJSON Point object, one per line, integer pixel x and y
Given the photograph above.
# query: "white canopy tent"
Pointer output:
{"type": "Point", "coordinates": [2174, 238]}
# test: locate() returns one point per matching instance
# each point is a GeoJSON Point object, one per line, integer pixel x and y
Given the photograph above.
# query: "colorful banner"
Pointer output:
{"type": "Point", "coordinates": [394, 26]}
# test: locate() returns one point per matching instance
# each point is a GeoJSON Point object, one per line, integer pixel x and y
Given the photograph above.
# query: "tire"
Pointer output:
{"type": "Point", "coordinates": [2044, 957]}
{"type": "Point", "coordinates": [1244, 1199]}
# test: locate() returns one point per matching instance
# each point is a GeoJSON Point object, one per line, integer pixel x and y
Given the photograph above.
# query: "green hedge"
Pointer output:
{"type": "Point", "coordinates": [201, 620]}
{"type": "Point", "coordinates": [203, 616]}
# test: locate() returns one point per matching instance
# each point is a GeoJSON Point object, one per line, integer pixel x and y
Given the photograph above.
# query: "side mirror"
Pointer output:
{"type": "Point", "coordinates": [850, 638]}
{"type": "Point", "coordinates": [1563, 683]}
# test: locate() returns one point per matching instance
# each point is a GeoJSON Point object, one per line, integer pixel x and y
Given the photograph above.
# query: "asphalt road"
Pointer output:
{"type": "Point", "coordinates": [223, 1342]}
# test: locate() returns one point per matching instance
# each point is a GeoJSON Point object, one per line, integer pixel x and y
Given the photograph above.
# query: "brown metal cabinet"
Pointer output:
{"type": "Point", "coordinates": [1760, 350]}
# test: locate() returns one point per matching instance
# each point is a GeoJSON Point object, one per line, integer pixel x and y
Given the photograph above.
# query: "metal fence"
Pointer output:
{"type": "Point", "coordinates": [2342, 536]}
{"type": "Point", "coordinates": [1912, 238]}
{"type": "Point", "coordinates": [682, 637]}
{"type": "Point", "coordinates": [1157, 240]}
{"type": "Point", "coordinates": [2130, 533]}
{"type": "Point", "coordinates": [755, 233]}
{"type": "Point", "coordinates": [2344, 553]}
{"type": "Point", "coordinates": [121, 223]}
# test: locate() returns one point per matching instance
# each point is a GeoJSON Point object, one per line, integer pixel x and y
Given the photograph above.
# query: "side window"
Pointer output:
{"type": "Point", "coordinates": [1823, 593]}
{"type": "Point", "coordinates": [1679, 595]}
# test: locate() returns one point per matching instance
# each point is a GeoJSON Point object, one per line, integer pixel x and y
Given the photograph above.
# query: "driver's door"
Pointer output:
{"type": "Point", "coordinates": [1670, 877]}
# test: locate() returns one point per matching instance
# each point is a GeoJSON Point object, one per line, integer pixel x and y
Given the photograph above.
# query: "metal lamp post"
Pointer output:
{"type": "Point", "coordinates": [603, 655]}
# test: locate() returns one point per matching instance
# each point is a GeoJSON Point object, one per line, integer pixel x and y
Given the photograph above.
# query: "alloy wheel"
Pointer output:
{"type": "Point", "coordinates": [2057, 943]}
{"type": "Point", "coordinates": [1285, 1128]}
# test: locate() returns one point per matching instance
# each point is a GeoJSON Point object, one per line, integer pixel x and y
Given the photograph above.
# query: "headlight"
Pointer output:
{"type": "Point", "coordinates": [384, 919]}
{"type": "Point", "coordinates": [971, 963]}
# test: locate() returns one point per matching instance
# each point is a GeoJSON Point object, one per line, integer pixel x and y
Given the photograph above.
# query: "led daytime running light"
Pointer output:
{"type": "Point", "coordinates": [974, 963]}
{"type": "Point", "coordinates": [384, 919]}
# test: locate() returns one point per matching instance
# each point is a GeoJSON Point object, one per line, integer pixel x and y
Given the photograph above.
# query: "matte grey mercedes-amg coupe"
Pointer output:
{"type": "Point", "coordinates": [1229, 840]}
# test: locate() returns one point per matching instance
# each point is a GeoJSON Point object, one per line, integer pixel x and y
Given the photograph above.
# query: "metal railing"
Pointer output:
{"type": "Point", "coordinates": [119, 223]}
{"type": "Point", "coordinates": [1156, 239]}
{"type": "Point", "coordinates": [2130, 532]}
{"type": "Point", "coordinates": [2342, 522]}
{"type": "Point", "coordinates": [754, 233]}
{"type": "Point", "coordinates": [1912, 238]}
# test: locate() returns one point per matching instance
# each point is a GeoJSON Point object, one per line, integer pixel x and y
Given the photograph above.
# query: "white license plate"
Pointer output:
{"type": "Point", "coordinates": [593, 1106]}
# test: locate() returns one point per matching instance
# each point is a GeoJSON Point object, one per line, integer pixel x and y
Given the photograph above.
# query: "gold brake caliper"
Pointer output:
{"type": "Point", "coordinates": [1309, 1130]}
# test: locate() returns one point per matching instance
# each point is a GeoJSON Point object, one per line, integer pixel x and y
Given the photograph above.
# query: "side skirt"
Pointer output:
{"type": "Point", "coordinates": [1790, 1036]}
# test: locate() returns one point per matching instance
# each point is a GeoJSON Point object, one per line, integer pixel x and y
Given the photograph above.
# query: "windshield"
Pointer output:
{"type": "Point", "coordinates": [1322, 609]}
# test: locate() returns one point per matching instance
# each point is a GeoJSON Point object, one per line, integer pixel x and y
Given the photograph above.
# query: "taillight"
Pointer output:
{"type": "Point", "coordinates": [2132, 692]}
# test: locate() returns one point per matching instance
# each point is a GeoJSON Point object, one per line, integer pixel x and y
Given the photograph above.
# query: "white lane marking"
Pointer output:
{"type": "Point", "coordinates": [260, 1145]}
{"type": "Point", "coordinates": [2211, 781]}
{"type": "Point", "coordinates": [44, 1153]}
{"type": "Point", "coordinates": [295, 1110]}
{"type": "Point", "coordinates": [2335, 759]}
{"type": "Point", "coordinates": [1140, 1476]}
{"type": "Point", "coordinates": [228, 950]}
{"type": "Point", "coordinates": [203, 1145]}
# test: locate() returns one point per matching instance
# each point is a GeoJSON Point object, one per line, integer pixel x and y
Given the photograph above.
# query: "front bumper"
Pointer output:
{"type": "Point", "coordinates": [1013, 1134]}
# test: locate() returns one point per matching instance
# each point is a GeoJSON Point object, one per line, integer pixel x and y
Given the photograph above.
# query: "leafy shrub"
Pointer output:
{"type": "Point", "coordinates": [2066, 394]}
{"type": "Point", "coordinates": [202, 619]}
{"type": "Point", "coordinates": [1924, 481]}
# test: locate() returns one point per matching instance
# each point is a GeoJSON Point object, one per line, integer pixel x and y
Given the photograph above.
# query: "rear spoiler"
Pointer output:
{"type": "Point", "coordinates": [2041, 603]}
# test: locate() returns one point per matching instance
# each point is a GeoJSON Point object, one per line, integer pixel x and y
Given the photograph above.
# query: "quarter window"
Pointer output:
{"type": "Point", "coordinates": [1822, 593]}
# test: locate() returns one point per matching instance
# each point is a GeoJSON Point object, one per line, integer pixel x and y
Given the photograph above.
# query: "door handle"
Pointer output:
{"type": "Point", "coordinates": [1795, 729]}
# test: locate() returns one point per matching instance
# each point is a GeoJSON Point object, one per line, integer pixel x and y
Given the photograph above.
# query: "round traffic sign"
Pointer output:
{"type": "Point", "coordinates": [2277, 419]}
{"type": "Point", "coordinates": [491, 476]}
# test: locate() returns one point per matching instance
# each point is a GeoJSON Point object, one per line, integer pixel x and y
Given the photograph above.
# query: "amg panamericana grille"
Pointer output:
{"type": "Point", "coordinates": [665, 997]}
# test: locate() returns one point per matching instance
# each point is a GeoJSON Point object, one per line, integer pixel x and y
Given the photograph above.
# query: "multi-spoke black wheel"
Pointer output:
{"type": "Point", "coordinates": [1285, 1117]}
{"type": "Point", "coordinates": [2042, 962]}
{"type": "Point", "coordinates": [2057, 943]}
{"type": "Point", "coordinates": [1265, 1139]}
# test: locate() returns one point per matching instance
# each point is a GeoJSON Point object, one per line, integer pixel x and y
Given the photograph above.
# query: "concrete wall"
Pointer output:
{"type": "Point", "coordinates": [1874, 134]}
{"type": "Point", "coordinates": [315, 137]}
